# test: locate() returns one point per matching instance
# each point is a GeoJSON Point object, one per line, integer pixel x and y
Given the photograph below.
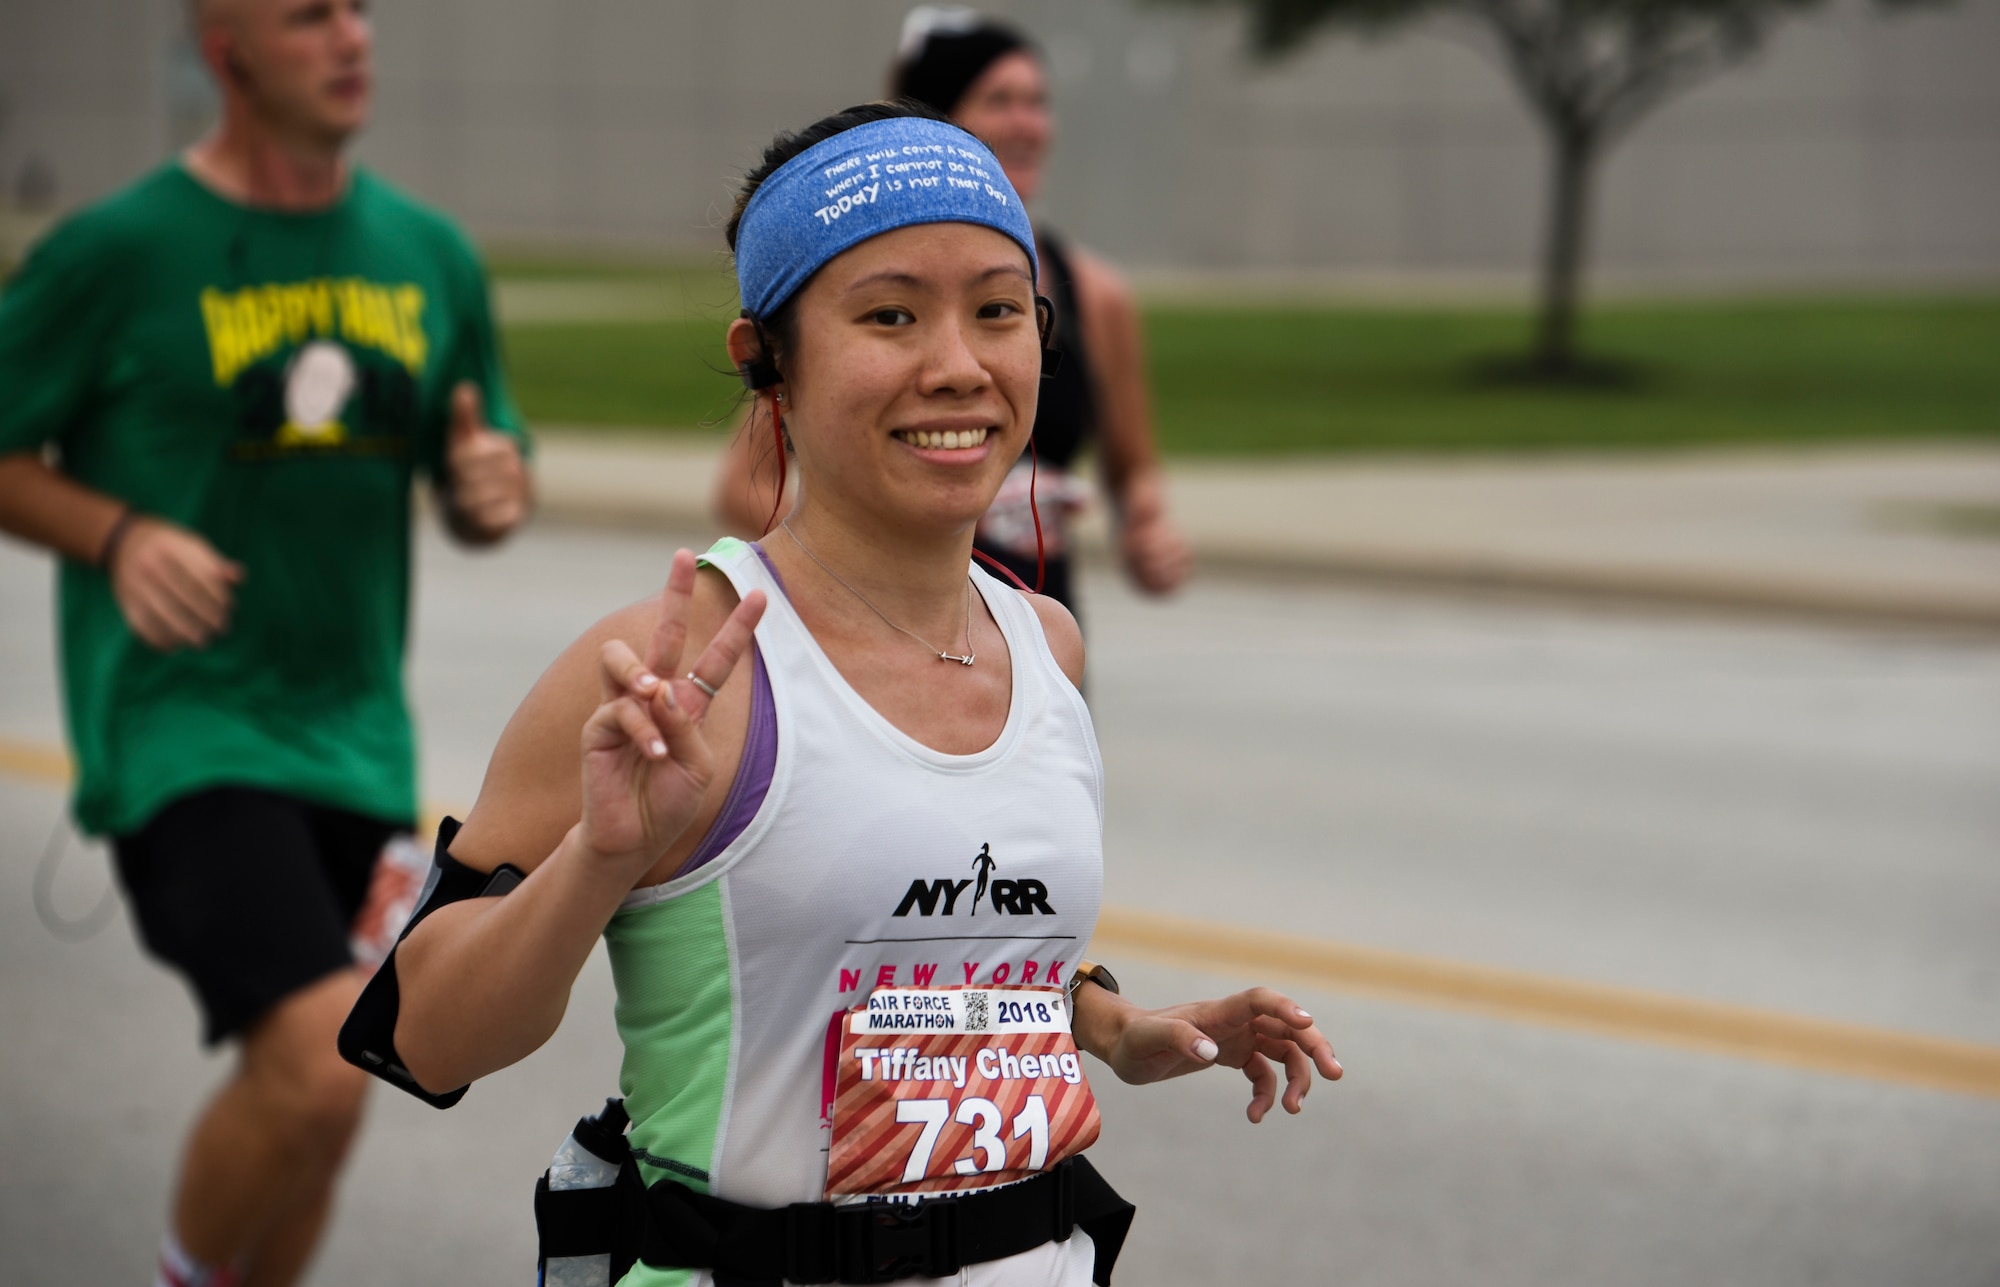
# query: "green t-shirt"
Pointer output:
{"type": "Point", "coordinates": [271, 381]}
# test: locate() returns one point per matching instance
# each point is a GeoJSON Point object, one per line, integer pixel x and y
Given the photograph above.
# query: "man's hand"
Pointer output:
{"type": "Point", "coordinates": [486, 485]}
{"type": "Point", "coordinates": [174, 589]}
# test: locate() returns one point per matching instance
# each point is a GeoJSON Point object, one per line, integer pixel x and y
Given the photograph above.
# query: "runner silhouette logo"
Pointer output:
{"type": "Point", "coordinates": [1008, 897]}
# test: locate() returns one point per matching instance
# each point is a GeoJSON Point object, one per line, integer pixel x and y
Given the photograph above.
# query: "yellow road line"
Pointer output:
{"type": "Point", "coordinates": [34, 761]}
{"type": "Point", "coordinates": [1632, 1015]}
{"type": "Point", "coordinates": [1767, 1036]}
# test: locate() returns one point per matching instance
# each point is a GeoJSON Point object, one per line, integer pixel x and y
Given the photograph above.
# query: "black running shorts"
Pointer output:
{"type": "Point", "coordinates": [249, 894]}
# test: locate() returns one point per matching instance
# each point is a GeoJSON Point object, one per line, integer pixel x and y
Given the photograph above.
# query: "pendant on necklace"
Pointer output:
{"type": "Point", "coordinates": [966, 660]}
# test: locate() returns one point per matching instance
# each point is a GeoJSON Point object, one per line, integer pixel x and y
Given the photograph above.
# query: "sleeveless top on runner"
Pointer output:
{"type": "Point", "coordinates": [1065, 420]}
{"type": "Point", "coordinates": [873, 861]}
{"type": "Point", "coordinates": [1066, 414]}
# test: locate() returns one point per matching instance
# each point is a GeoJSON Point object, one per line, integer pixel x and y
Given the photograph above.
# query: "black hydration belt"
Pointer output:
{"type": "Point", "coordinates": [670, 1226]}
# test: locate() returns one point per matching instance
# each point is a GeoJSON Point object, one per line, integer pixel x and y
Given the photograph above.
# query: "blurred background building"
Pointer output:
{"type": "Point", "coordinates": [1858, 149]}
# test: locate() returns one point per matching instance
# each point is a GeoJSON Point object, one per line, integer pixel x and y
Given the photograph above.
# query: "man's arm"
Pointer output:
{"type": "Point", "coordinates": [41, 506]}
{"type": "Point", "coordinates": [483, 482]}
{"type": "Point", "coordinates": [173, 588]}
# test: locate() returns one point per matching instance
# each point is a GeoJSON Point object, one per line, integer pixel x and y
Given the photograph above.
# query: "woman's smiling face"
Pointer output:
{"type": "Point", "coordinates": [912, 386]}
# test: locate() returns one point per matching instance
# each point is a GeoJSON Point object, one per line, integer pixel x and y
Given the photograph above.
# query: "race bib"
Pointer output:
{"type": "Point", "coordinates": [939, 1089]}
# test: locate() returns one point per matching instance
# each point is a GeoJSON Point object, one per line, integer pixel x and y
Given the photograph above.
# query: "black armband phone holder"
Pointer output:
{"type": "Point", "coordinates": [368, 1038]}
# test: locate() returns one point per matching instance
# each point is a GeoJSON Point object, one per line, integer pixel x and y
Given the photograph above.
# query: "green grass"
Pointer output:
{"type": "Point", "coordinates": [506, 262]}
{"type": "Point", "coordinates": [1326, 379]}
{"type": "Point", "coordinates": [673, 374]}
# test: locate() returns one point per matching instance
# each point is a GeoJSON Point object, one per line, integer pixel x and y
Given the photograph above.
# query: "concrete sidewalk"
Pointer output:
{"type": "Point", "coordinates": [1908, 535]}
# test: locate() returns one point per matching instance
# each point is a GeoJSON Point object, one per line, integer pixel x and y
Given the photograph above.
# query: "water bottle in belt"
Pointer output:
{"type": "Point", "coordinates": [582, 1163]}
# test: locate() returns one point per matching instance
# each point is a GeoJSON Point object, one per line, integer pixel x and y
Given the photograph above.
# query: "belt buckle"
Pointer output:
{"type": "Point", "coordinates": [880, 1242]}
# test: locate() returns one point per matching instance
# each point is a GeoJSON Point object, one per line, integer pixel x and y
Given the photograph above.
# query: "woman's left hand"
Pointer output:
{"type": "Point", "coordinates": [1251, 1030]}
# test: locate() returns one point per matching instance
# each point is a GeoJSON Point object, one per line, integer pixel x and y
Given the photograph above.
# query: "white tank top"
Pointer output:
{"type": "Point", "coordinates": [873, 861]}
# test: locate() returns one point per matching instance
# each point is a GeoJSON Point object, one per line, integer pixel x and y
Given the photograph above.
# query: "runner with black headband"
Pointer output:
{"type": "Point", "coordinates": [833, 801]}
{"type": "Point", "coordinates": [989, 79]}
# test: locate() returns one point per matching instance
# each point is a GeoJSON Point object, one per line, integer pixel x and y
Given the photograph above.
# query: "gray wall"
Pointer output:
{"type": "Point", "coordinates": [1857, 149]}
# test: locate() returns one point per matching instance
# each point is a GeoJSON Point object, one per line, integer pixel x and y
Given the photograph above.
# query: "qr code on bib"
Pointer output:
{"type": "Point", "coordinates": [978, 1011]}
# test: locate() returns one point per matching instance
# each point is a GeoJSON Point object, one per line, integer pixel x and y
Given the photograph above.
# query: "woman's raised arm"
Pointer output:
{"type": "Point", "coordinates": [603, 780]}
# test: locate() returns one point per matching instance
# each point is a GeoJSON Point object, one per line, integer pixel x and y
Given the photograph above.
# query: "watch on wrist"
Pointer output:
{"type": "Point", "coordinates": [1091, 971]}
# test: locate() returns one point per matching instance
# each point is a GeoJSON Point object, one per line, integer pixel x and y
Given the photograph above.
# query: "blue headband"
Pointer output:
{"type": "Point", "coordinates": [859, 184]}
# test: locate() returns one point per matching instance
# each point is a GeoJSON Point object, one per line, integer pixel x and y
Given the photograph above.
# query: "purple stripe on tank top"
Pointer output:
{"type": "Point", "coordinates": [769, 566]}
{"type": "Point", "coordinates": [760, 756]}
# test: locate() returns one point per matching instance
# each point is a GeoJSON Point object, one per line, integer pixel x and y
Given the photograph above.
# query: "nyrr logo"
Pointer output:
{"type": "Point", "coordinates": [1009, 897]}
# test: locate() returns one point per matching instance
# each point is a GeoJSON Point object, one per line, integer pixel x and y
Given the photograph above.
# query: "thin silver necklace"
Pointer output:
{"type": "Point", "coordinates": [942, 655]}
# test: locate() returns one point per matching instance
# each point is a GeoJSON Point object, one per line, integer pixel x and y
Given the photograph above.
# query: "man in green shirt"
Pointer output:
{"type": "Point", "coordinates": [220, 385]}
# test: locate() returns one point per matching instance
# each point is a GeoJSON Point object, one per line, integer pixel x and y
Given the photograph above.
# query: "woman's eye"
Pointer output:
{"type": "Point", "coordinates": [1000, 308]}
{"type": "Point", "coordinates": [891, 317]}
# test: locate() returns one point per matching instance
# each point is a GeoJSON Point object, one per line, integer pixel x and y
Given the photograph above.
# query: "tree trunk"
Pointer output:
{"type": "Point", "coordinates": [1573, 160]}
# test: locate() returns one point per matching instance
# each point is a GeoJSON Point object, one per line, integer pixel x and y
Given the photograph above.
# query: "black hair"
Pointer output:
{"type": "Point", "coordinates": [946, 62]}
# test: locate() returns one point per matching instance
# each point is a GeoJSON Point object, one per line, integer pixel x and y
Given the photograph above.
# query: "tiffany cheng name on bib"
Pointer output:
{"type": "Point", "coordinates": [954, 1088]}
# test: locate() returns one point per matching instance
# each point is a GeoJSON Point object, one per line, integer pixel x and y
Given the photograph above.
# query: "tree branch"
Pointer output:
{"type": "Point", "coordinates": [1644, 82]}
{"type": "Point", "coordinates": [1533, 51]}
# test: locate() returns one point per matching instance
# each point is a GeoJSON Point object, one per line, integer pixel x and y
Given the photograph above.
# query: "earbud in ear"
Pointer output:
{"type": "Point", "coordinates": [759, 372]}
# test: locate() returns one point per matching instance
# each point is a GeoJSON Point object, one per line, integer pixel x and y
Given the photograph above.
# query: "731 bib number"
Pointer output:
{"type": "Point", "coordinates": [956, 1088]}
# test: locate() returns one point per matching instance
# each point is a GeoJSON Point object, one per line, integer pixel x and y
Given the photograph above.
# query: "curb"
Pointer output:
{"type": "Point", "coordinates": [1633, 588]}
{"type": "Point", "coordinates": [601, 481]}
{"type": "Point", "coordinates": [1636, 588]}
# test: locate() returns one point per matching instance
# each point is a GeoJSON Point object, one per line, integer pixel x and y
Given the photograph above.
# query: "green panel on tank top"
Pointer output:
{"type": "Point", "coordinates": [670, 963]}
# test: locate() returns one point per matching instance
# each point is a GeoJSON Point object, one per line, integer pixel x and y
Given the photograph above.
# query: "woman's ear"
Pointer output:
{"type": "Point", "coordinates": [1045, 326]}
{"type": "Point", "coordinates": [750, 350]}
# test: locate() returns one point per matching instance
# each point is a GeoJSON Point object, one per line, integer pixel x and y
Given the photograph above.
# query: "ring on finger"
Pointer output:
{"type": "Point", "coordinates": [700, 683]}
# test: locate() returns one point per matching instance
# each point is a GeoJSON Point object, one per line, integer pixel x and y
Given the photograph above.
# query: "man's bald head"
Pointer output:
{"type": "Point", "coordinates": [203, 14]}
{"type": "Point", "coordinates": [296, 64]}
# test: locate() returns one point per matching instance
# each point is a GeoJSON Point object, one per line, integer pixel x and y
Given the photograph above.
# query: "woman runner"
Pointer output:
{"type": "Point", "coordinates": [842, 837]}
{"type": "Point", "coordinates": [989, 79]}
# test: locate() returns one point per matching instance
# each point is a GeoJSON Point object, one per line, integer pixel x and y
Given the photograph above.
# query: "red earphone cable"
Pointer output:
{"type": "Point", "coordinates": [1035, 510]}
{"type": "Point", "coordinates": [778, 437]}
{"type": "Point", "coordinates": [1002, 569]}
{"type": "Point", "coordinates": [1041, 559]}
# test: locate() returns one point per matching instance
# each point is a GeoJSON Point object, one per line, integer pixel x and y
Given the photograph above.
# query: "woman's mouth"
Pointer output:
{"type": "Point", "coordinates": [949, 439]}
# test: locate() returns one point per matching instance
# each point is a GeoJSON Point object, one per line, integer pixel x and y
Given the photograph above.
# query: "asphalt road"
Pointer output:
{"type": "Point", "coordinates": [1801, 819]}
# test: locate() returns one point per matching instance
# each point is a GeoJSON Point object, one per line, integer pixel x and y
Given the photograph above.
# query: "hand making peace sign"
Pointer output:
{"type": "Point", "coordinates": [646, 763]}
